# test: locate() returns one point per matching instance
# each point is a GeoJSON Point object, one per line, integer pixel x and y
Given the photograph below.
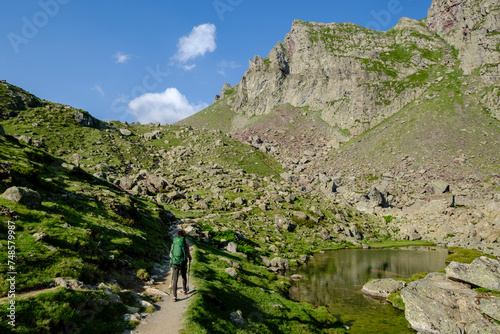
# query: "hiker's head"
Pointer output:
{"type": "Point", "coordinates": [181, 233]}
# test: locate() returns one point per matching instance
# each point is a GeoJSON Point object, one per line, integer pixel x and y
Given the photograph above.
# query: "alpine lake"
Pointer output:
{"type": "Point", "coordinates": [335, 278]}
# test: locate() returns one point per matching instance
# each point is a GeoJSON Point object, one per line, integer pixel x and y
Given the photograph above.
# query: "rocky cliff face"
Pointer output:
{"type": "Point", "coordinates": [355, 76]}
{"type": "Point", "coordinates": [415, 103]}
{"type": "Point", "coordinates": [472, 27]}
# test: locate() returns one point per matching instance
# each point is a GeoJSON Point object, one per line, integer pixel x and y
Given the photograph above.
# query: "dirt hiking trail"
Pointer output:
{"type": "Point", "coordinates": [168, 318]}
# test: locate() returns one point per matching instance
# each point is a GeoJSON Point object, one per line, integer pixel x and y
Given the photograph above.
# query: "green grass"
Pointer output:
{"type": "Point", "coordinates": [82, 218]}
{"type": "Point", "coordinates": [463, 255]}
{"type": "Point", "coordinates": [254, 294]}
{"type": "Point", "coordinates": [399, 53]}
{"type": "Point", "coordinates": [396, 300]}
{"type": "Point", "coordinates": [488, 291]}
{"type": "Point", "coordinates": [66, 310]}
{"type": "Point", "coordinates": [400, 243]}
{"type": "Point", "coordinates": [388, 219]}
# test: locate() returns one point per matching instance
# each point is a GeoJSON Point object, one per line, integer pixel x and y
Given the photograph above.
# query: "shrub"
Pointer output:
{"type": "Point", "coordinates": [142, 274]}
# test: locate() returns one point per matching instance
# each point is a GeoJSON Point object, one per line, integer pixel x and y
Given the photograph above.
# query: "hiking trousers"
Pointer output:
{"type": "Point", "coordinates": [175, 276]}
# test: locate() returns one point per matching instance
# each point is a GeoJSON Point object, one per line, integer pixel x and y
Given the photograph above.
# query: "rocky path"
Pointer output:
{"type": "Point", "coordinates": [168, 319]}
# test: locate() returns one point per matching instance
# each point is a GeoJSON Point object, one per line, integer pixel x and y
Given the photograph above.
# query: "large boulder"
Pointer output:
{"type": "Point", "coordinates": [437, 304]}
{"type": "Point", "coordinates": [280, 264]}
{"type": "Point", "coordinates": [126, 183]}
{"type": "Point", "coordinates": [162, 198]}
{"type": "Point", "coordinates": [23, 195]}
{"type": "Point", "coordinates": [382, 288]}
{"type": "Point", "coordinates": [288, 178]}
{"type": "Point", "coordinates": [159, 182]}
{"type": "Point", "coordinates": [175, 195]}
{"type": "Point", "coordinates": [483, 272]}
{"type": "Point", "coordinates": [126, 132]}
{"type": "Point", "coordinates": [376, 198]}
{"type": "Point", "coordinates": [85, 119]}
{"type": "Point", "coordinates": [438, 187]}
{"type": "Point", "coordinates": [153, 135]}
{"type": "Point", "coordinates": [232, 247]}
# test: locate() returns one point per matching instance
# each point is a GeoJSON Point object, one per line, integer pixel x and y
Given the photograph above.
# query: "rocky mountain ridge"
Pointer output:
{"type": "Point", "coordinates": [347, 110]}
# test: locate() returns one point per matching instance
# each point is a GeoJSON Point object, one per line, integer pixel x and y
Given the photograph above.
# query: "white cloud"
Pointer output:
{"type": "Point", "coordinates": [169, 106]}
{"type": "Point", "coordinates": [121, 58]}
{"type": "Point", "coordinates": [99, 89]}
{"type": "Point", "coordinates": [189, 67]}
{"type": "Point", "coordinates": [224, 64]}
{"type": "Point", "coordinates": [200, 41]}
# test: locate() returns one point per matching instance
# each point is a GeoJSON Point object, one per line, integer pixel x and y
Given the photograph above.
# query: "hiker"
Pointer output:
{"type": "Point", "coordinates": [179, 255]}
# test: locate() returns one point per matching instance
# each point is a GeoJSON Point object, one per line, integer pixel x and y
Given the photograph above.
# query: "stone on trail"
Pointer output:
{"type": "Point", "coordinates": [155, 292]}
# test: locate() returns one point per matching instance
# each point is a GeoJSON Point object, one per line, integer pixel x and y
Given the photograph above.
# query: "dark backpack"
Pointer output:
{"type": "Point", "coordinates": [178, 251]}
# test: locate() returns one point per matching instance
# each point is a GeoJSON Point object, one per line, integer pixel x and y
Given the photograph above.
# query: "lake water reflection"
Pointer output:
{"type": "Point", "coordinates": [336, 278]}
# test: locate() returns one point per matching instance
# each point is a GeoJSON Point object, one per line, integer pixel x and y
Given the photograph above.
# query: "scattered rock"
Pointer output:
{"type": "Point", "coordinates": [233, 264]}
{"type": "Point", "coordinates": [126, 183]}
{"type": "Point", "coordinates": [219, 143]}
{"type": "Point", "coordinates": [232, 247]}
{"type": "Point", "coordinates": [175, 195]}
{"type": "Point", "coordinates": [126, 132]}
{"type": "Point", "coordinates": [437, 304]}
{"type": "Point", "coordinates": [280, 264]}
{"type": "Point", "coordinates": [237, 317]}
{"type": "Point", "coordinates": [240, 201]}
{"type": "Point", "coordinates": [483, 272]}
{"type": "Point", "coordinates": [300, 215]}
{"type": "Point", "coordinates": [23, 195]}
{"type": "Point", "coordinates": [132, 317]}
{"type": "Point", "coordinates": [113, 297]}
{"type": "Point", "coordinates": [232, 272]}
{"type": "Point", "coordinates": [382, 288]}
{"type": "Point", "coordinates": [155, 292]}
{"type": "Point", "coordinates": [86, 119]}
{"type": "Point", "coordinates": [70, 284]}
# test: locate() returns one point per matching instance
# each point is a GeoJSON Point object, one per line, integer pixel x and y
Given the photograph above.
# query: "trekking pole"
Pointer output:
{"type": "Point", "coordinates": [189, 269]}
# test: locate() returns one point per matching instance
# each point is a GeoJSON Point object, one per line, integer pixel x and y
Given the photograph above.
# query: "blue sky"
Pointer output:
{"type": "Point", "coordinates": [157, 60]}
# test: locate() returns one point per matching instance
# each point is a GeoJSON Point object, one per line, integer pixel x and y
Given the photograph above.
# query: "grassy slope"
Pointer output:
{"type": "Point", "coordinates": [258, 294]}
{"type": "Point", "coordinates": [93, 230]}
{"type": "Point", "coordinates": [217, 116]}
